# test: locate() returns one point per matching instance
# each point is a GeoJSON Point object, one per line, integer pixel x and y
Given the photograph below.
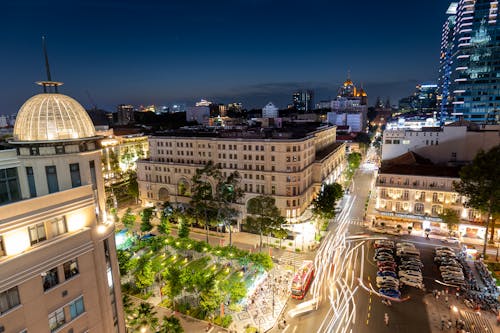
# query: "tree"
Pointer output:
{"type": "Point", "coordinates": [202, 203]}
{"type": "Point", "coordinates": [133, 185]}
{"type": "Point", "coordinates": [144, 317]}
{"type": "Point", "coordinates": [354, 160]}
{"type": "Point", "coordinates": [228, 192]}
{"type": "Point", "coordinates": [170, 324]}
{"type": "Point", "coordinates": [124, 262]}
{"type": "Point", "coordinates": [164, 226]}
{"type": "Point", "coordinates": [479, 183]}
{"type": "Point", "coordinates": [173, 284]}
{"type": "Point", "coordinates": [264, 216]}
{"type": "Point", "coordinates": [144, 274]}
{"type": "Point", "coordinates": [146, 215]}
{"type": "Point", "coordinates": [451, 218]}
{"type": "Point", "coordinates": [128, 219]}
{"type": "Point", "coordinates": [128, 305]}
{"type": "Point", "coordinates": [211, 300]}
{"type": "Point", "coordinates": [183, 231]}
{"type": "Point", "coordinates": [324, 204]}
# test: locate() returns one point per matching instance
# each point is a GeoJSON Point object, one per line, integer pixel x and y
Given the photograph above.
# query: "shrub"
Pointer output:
{"type": "Point", "coordinates": [297, 250]}
{"type": "Point", "coordinates": [224, 321]}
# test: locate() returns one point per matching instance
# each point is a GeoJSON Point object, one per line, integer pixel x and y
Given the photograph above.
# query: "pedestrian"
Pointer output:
{"type": "Point", "coordinates": [386, 319]}
{"type": "Point", "coordinates": [456, 323]}
{"type": "Point", "coordinates": [446, 299]}
{"type": "Point", "coordinates": [449, 324]}
{"type": "Point", "coordinates": [442, 324]}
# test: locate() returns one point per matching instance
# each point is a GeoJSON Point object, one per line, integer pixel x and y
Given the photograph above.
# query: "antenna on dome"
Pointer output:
{"type": "Point", "coordinates": [47, 67]}
{"type": "Point", "coordinates": [49, 82]}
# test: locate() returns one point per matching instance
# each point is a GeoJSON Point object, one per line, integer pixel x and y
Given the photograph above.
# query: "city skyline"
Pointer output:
{"type": "Point", "coordinates": [123, 52]}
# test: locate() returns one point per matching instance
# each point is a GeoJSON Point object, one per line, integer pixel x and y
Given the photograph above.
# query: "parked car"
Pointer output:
{"type": "Point", "coordinates": [383, 243]}
{"type": "Point", "coordinates": [450, 268]}
{"type": "Point", "coordinates": [386, 263]}
{"type": "Point", "coordinates": [411, 275]}
{"type": "Point", "coordinates": [407, 251]}
{"type": "Point", "coordinates": [391, 268]}
{"type": "Point", "coordinates": [390, 292]}
{"type": "Point", "coordinates": [381, 279]}
{"type": "Point", "coordinates": [412, 282]}
{"type": "Point", "coordinates": [383, 257]}
{"type": "Point", "coordinates": [387, 273]}
{"type": "Point", "coordinates": [388, 285]}
{"type": "Point", "coordinates": [384, 250]}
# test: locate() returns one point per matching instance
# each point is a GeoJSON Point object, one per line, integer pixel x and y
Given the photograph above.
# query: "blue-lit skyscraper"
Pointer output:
{"type": "Point", "coordinates": [475, 76]}
{"type": "Point", "coordinates": [445, 106]}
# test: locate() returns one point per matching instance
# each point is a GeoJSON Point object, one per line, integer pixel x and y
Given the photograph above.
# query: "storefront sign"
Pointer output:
{"type": "Point", "coordinates": [411, 216]}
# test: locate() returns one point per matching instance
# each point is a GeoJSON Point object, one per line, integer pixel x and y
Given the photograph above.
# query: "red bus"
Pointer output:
{"type": "Point", "coordinates": [302, 279]}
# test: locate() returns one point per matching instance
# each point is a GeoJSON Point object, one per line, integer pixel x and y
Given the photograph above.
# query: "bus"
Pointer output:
{"type": "Point", "coordinates": [302, 279]}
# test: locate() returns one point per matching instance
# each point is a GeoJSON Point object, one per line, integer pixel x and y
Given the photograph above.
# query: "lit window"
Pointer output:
{"type": "Point", "coordinates": [9, 299]}
{"type": "Point", "coordinates": [56, 319]}
{"type": "Point", "coordinates": [58, 226]}
{"type": "Point", "coordinates": [70, 269]}
{"type": "Point", "coordinates": [50, 279]}
{"type": "Point", "coordinates": [37, 233]}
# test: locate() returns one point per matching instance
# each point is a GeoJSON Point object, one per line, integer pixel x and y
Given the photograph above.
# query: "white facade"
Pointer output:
{"type": "Point", "coordinates": [440, 145]}
{"type": "Point", "coordinates": [270, 111]}
{"type": "Point", "coordinates": [355, 120]}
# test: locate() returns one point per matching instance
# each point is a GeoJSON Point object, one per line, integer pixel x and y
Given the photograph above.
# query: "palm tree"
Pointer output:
{"type": "Point", "coordinates": [170, 324]}
{"type": "Point", "coordinates": [144, 317]}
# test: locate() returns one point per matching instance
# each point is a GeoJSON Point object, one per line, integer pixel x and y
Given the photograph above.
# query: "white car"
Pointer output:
{"type": "Point", "coordinates": [411, 275]}
{"type": "Point", "coordinates": [405, 244]}
{"type": "Point", "coordinates": [381, 279]}
{"type": "Point", "coordinates": [412, 283]}
{"type": "Point", "coordinates": [451, 240]}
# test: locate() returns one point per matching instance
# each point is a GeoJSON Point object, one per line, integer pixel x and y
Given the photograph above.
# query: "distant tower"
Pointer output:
{"type": "Point", "coordinates": [303, 100]}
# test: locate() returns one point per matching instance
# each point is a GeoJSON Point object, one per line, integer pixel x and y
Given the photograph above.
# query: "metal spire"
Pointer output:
{"type": "Point", "coordinates": [49, 82]}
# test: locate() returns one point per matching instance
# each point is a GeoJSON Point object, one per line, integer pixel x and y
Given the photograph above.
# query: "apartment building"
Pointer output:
{"type": "Point", "coordinates": [289, 164]}
{"type": "Point", "coordinates": [58, 266]}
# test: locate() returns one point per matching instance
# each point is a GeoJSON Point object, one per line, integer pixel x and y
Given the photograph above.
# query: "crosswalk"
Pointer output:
{"type": "Point", "coordinates": [358, 222]}
{"type": "Point", "coordinates": [292, 259]}
{"type": "Point", "coordinates": [474, 323]}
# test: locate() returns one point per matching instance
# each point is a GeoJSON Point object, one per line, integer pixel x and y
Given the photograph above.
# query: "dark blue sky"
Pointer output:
{"type": "Point", "coordinates": [254, 51]}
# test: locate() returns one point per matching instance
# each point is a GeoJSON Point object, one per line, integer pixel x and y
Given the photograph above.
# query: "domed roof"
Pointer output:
{"type": "Point", "coordinates": [52, 117]}
{"type": "Point", "coordinates": [348, 82]}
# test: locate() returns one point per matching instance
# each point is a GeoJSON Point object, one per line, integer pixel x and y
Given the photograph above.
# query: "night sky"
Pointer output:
{"type": "Point", "coordinates": [253, 51]}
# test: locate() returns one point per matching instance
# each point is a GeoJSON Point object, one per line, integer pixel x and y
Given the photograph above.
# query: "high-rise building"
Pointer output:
{"type": "Point", "coordinates": [423, 102]}
{"type": "Point", "coordinates": [303, 100]}
{"type": "Point", "coordinates": [270, 111]}
{"type": "Point", "coordinates": [475, 77]}
{"type": "Point", "coordinates": [444, 99]}
{"type": "Point", "coordinates": [58, 266]}
{"type": "Point", "coordinates": [125, 114]}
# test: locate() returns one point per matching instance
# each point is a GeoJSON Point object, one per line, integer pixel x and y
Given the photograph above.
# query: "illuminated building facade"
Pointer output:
{"type": "Point", "coordinates": [303, 100]}
{"type": "Point", "coordinates": [289, 167]}
{"type": "Point", "coordinates": [475, 79]}
{"type": "Point", "coordinates": [58, 266]}
{"type": "Point", "coordinates": [445, 64]}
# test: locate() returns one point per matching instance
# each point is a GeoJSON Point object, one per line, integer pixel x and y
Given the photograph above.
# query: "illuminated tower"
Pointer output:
{"type": "Point", "coordinates": [58, 266]}
{"type": "Point", "coordinates": [475, 78]}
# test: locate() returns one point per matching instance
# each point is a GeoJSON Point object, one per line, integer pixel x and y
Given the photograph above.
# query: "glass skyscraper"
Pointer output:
{"type": "Point", "coordinates": [475, 68]}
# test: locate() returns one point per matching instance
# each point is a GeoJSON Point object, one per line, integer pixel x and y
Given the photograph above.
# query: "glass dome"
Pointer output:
{"type": "Point", "coordinates": [52, 117]}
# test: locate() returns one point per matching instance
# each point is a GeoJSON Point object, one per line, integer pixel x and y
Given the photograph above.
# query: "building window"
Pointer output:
{"type": "Point", "coordinates": [9, 185]}
{"type": "Point", "coordinates": [419, 208]}
{"type": "Point", "coordinates": [93, 176]}
{"type": "Point", "coordinates": [273, 189]}
{"type": "Point", "coordinates": [59, 149]}
{"type": "Point", "coordinates": [70, 269]}
{"type": "Point", "coordinates": [74, 170]}
{"type": "Point", "coordinates": [50, 279]}
{"type": "Point", "coordinates": [76, 308]}
{"type": "Point", "coordinates": [56, 319]}
{"type": "Point", "coordinates": [9, 299]}
{"type": "Point", "coordinates": [272, 148]}
{"type": "Point", "coordinates": [51, 173]}
{"type": "Point", "coordinates": [58, 226]}
{"type": "Point", "coordinates": [2, 248]}
{"type": "Point", "coordinates": [37, 233]}
{"type": "Point", "coordinates": [31, 181]}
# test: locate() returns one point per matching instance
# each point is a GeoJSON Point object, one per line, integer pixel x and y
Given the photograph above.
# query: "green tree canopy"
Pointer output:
{"type": "Point", "coordinates": [228, 192]}
{"type": "Point", "coordinates": [128, 219]}
{"type": "Point", "coordinates": [144, 317]}
{"type": "Point", "coordinates": [264, 216]}
{"type": "Point", "coordinates": [203, 209]}
{"type": "Point", "coordinates": [354, 160]}
{"type": "Point", "coordinates": [146, 216]}
{"type": "Point", "coordinates": [170, 324]}
{"type": "Point", "coordinates": [480, 184]}
{"type": "Point", "coordinates": [324, 204]}
{"type": "Point", "coordinates": [451, 218]}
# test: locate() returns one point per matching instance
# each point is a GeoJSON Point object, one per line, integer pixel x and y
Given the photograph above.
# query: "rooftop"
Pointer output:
{"type": "Point", "coordinates": [414, 164]}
